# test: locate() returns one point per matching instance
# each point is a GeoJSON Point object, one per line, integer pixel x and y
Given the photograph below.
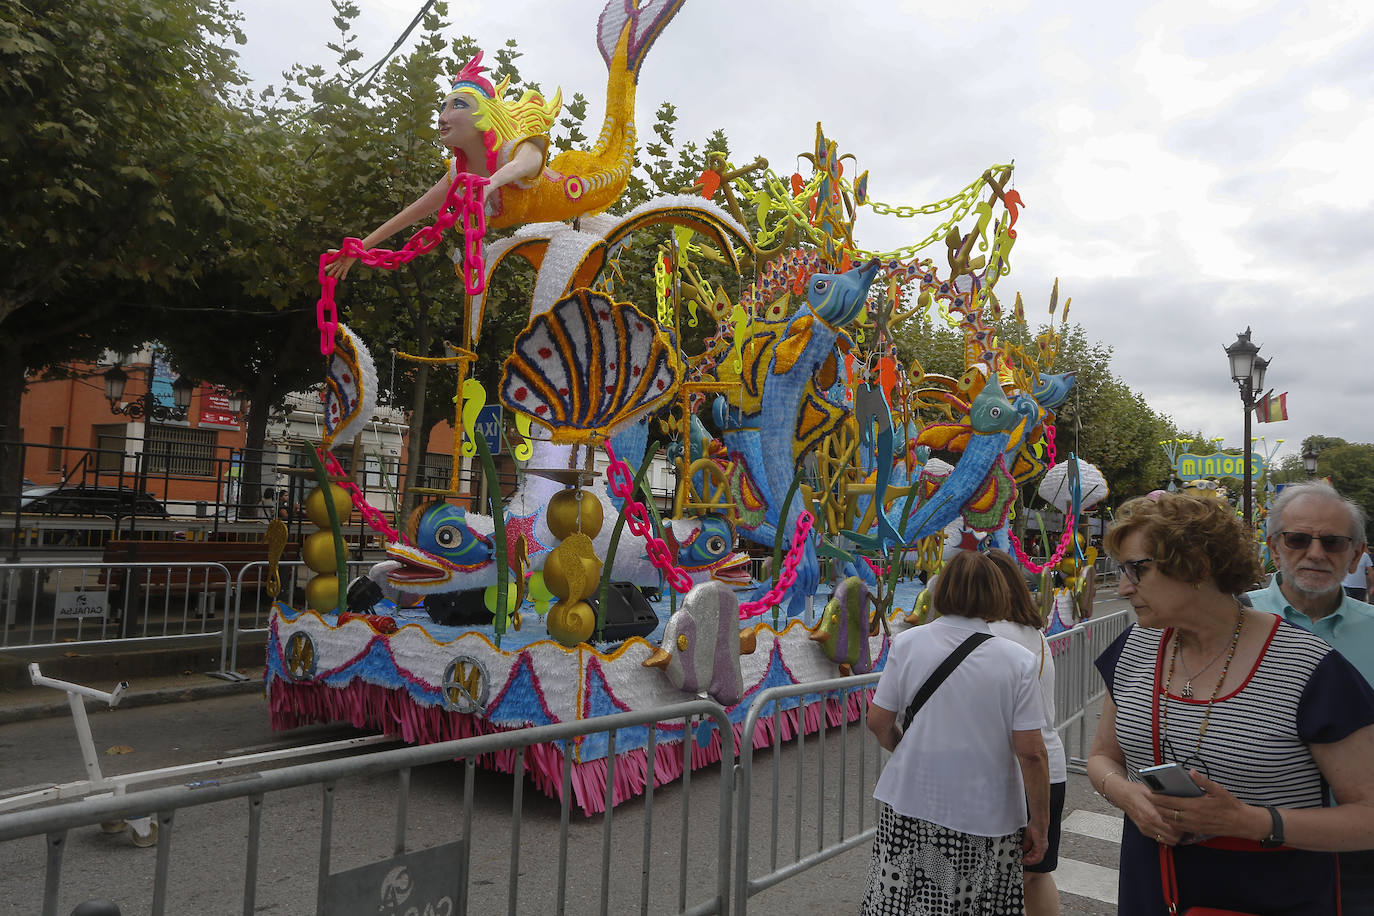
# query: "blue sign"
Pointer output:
{"type": "Point", "coordinates": [488, 426]}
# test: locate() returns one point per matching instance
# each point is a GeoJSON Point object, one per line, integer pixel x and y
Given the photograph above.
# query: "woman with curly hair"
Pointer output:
{"type": "Point", "coordinates": [1263, 716]}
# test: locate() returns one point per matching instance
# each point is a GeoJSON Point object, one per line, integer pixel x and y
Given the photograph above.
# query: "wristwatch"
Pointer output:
{"type": "Point", "coordinates": [1275, 837]}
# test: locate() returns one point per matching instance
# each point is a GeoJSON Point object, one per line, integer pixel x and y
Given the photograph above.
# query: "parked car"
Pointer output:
{"type": "Point", "coordinates": [109, 502]}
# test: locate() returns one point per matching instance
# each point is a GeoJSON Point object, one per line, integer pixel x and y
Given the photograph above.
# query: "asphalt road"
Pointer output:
{"type": "Point", "coordinates": [209, 852]}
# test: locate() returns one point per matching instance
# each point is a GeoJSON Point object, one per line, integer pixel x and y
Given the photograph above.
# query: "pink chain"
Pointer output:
{"type": "Point", "coordinates": [463, 201]}
{"type": "Point", "coordinates": [788, 577]}
{"type": "Point", "coordinates": [1049, 444]}
{"type": "Point", "coordinates": [621, 483]}
{"type": "Point", "coordinates": [1063, 548]}
{"type": "Point", "coordinates": [374, 518]}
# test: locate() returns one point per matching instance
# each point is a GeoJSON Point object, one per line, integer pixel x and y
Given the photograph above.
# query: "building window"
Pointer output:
{"type": "Point", "coordinates": [109, 447]}
{"type": "Point", "coordinates": [435, 469]}
{"type": "Point", "coordinates": [56, 434]}
{"type": "Point", "coordinates": [180, 451]}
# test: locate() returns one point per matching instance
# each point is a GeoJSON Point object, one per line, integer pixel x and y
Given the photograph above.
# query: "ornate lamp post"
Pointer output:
{"type": "Point", "coordinates": [147, 406]}
{"type": "Point", "coordinates": [1247, 371]}
{"type": "Point", "coordinates": [1309, 460]}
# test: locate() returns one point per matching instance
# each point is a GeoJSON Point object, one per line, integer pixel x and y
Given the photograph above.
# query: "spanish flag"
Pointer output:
{"type": "Point", "coordinates": [1272, 409]}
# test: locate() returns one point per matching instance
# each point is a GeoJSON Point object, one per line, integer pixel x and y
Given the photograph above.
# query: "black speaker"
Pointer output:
{"type": "Point", "coordinates": [627, 613]}
{"type": "Point", "coordinates": [459, 609]}
{"type": "Point", "coordinates": [363, 595]}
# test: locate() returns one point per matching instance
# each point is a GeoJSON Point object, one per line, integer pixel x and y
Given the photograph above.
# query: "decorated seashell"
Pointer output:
{"type": "Point", "coordinates": [350, 388]}
{"type": "Point", "coordinates": [589, 366]}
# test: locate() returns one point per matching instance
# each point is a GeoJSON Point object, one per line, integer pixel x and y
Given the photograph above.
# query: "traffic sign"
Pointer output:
{"type": "Point", "coordinates": [488, 426]}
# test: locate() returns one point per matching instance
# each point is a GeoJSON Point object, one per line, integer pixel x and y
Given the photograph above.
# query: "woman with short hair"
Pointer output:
{"type": "Point", "coordinates": [1265, 718]}
{"type": "Point", "coordinates": [952, 824]}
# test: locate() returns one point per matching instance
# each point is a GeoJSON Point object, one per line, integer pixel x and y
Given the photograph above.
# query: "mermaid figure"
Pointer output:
{"type": "Point", "coordinates": [506, 140]}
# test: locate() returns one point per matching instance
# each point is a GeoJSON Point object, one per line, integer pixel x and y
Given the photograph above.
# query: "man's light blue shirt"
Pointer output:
{"type": "Point", "coordinates": [1349, 628]}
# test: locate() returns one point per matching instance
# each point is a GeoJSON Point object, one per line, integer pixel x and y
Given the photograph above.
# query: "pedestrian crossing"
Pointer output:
{"type": "Point", "coordinates": [1093, 824]}
{"type": "Point", "coordinates": [1084, 879]}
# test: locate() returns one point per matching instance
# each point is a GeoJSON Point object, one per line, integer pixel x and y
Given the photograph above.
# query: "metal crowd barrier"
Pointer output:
{"type": "Point", "coordinates": [1077, 685]}
{"type": "Point", "coordinates": [848, 759]}
{"type": "Point", "coordinates": [445, 877]}
{"type": "Point", "coordinates": [818, 812]}
{"type": "Point", "coordinates": [74, 604]}
{"type": "Point", "coordinates": [61, 603]}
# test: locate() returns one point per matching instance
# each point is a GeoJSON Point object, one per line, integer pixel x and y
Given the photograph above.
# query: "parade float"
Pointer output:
{"type": "Point", "coordinates": [796, 429]}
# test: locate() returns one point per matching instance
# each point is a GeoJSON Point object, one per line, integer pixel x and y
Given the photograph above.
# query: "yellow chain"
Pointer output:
{"type": "Point", "coordinates": [776, 196]}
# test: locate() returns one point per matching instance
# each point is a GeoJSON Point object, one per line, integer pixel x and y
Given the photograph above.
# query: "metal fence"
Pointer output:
{"type": "Point", "coordinates": [81, 604]}
{"type": "Point", "coordinates": [465, 873]}
{"type": "Point", "coordinates": [828, 773]}
{"type": "Point", "coordinates": [1077, 685]}
{"type": "Point", "coordinates": [811, 803]}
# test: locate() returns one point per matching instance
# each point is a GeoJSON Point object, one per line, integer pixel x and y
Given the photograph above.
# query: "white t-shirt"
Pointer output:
{"type": "Point", "coordinates": [1035, 642]}
{"type": "Point", "coordinates": [957, 767]}
{"type": "Point", "coordinates": [1356, 579]}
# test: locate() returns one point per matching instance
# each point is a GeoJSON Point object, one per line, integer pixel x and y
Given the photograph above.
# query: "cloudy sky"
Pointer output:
{"type": "Point", "coordinates": [1189, 167]}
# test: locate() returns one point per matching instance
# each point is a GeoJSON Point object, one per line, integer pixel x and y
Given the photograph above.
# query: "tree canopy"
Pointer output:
{"type": "Point", "coordinates": [150, 194]}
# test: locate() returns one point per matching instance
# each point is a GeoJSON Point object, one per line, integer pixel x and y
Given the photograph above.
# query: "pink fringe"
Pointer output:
{"type": "Point", "coordinates": [293, 704]}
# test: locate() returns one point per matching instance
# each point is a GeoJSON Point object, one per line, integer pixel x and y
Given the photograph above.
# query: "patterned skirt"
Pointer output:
{"type": "Point", "coordinates": [923, 869]}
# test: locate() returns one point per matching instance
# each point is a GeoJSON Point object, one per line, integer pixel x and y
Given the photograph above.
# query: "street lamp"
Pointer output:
{"type": "Point", "coordinates": [1309, 460]}
{"type": "Point", "coordinates": [147, 406]}
{"type": "Point", "coordinates": [1247, 371]}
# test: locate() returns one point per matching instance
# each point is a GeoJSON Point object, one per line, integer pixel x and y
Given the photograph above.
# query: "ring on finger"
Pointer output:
{"type": "Point", "coordinates": [1178, 815]}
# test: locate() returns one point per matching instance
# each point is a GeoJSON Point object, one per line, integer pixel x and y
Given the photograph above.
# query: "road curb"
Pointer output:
{"type": "Point", "coordinates": [45, 708]}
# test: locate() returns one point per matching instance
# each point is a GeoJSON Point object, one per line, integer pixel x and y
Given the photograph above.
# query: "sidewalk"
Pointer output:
{"type": "Point", "coordinates": [177, 673]}
{"type": "Point", "coordinates": [29, 703]}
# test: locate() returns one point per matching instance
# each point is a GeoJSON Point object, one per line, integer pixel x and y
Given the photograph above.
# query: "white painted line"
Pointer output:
{"type": "Point", "coordinates": [1090, 823]}
{"type": "Point", "coordinates": [1084, 880]}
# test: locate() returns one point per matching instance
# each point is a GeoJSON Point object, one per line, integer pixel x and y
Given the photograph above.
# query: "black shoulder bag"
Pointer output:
{"type": "Point", "coordinates": [938, 676]}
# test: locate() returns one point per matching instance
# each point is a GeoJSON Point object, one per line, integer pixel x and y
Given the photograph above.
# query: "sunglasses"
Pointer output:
{"type": "Point", "coordinates": [1131, 569]}
{"type": "Point", "coordinates": [1301, 540]}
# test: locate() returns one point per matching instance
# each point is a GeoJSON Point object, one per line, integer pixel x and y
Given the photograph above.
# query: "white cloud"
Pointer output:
{"type": "Point", "coordinates": [1189, 166]}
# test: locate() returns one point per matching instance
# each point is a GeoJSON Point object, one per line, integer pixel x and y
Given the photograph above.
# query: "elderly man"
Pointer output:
{"type": "Point", "coordinates": [1317, 538]}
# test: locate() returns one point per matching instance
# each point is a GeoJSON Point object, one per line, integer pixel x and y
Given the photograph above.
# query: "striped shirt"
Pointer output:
{"type": "Point", "coordinates": [1298, 693]}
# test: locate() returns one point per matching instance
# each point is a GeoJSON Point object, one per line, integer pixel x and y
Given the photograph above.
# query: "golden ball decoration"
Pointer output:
{"type": "Point", "coordinates": [574, 510]}
{"type": "Point", "coordinates": [318, 552]}
{"type": "Point", "coordinates": [318, 512]}
{"type": "Point", "coordinates": [571, 624]}
{"type": "Point", "coordinates": [322, 593]}
{"type": "Point", "coordinates": [570, 576]}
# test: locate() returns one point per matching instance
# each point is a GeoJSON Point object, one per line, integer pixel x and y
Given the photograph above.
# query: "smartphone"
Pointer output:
{"type": "Point", "coordinates": [1170, 779]}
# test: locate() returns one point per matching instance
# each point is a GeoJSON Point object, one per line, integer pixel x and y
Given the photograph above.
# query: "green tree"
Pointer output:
{"type": "Point", "coordinates": [121, 172]}
{"type": "Point", "coordinates": [1350, 465]}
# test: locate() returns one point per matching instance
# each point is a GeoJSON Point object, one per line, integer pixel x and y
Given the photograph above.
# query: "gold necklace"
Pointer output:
{"type": "Point", "coordinates": [1187, 691]}
{"type": "Point", "coordinates": [1207, 713]}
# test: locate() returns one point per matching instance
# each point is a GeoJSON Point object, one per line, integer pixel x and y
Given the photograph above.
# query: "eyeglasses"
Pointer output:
{"type": "Point", "coordinates": [1131, 569]}
{"type": "Point", "coordinates": [1331, 543]}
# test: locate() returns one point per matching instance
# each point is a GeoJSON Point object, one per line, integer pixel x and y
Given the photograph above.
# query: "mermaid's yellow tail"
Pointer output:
{"type": "Point", "coordinates": [579, 182]}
